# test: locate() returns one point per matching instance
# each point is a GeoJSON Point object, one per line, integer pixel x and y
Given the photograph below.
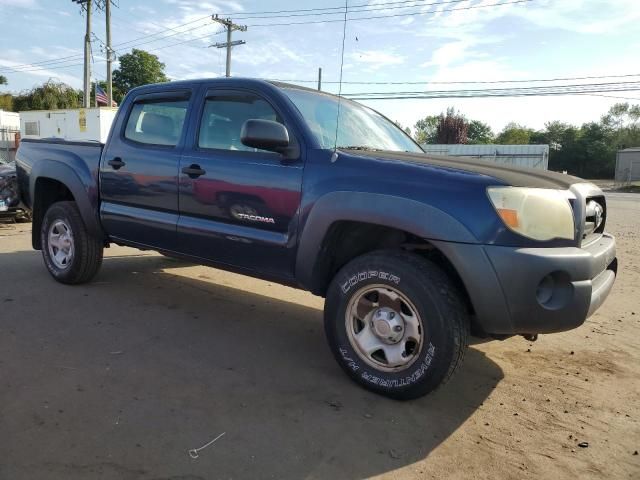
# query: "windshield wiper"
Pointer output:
{"type": "Point", "coordinates": [360, 147]}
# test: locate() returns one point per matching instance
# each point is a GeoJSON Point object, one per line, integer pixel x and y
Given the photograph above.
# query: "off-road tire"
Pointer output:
{"type": "Point", "coordinates": [439, 304]}
{"type": "Point", "coordinates": [88, 250]}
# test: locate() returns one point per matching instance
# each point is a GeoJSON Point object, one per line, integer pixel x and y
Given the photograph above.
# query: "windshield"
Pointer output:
{"type": "Point", "coordinates": [360, 127]}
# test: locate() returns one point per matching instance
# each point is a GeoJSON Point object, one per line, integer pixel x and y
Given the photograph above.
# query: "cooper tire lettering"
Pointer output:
{"type": "Point", "coordinates": [367, 275]}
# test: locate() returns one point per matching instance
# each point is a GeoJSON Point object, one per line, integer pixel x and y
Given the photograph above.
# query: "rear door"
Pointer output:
{"type": "Point", "coordinates": [139, 170]}
{"type": "Point", "coordinates": [238, 205]}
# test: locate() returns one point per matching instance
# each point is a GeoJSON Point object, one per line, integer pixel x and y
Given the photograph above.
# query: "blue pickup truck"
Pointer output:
{"type": "Point", "coordinates": [412, 253]}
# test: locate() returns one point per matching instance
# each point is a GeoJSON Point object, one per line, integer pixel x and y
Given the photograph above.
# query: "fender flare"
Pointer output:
{"type": "Point", "coordinates": [400, 213]}
{"type": "Point", "coordinates": [79, 181]}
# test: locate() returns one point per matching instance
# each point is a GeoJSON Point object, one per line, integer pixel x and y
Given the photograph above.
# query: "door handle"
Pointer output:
{"type": "Point", "coordinates": [193, 171]}
{"type": "Point", "coordinates": [116, 163]}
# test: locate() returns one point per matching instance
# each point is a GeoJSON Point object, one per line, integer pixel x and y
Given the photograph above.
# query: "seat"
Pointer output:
{"type": "Point", "coordinates": [157, 128]}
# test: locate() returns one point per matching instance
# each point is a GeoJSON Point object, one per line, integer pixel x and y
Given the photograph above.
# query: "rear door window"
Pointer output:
{"type": "Point", "coordinates": [157, 123]}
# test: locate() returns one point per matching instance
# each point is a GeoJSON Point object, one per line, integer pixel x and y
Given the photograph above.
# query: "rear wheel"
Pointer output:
{"type": "Point", "coordinates": [396, 323]}
{"type": "Point", "coordinates": [70, 253]}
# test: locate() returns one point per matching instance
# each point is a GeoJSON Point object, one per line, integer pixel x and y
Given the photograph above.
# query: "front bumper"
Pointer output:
{"type": "Point", "coordinates": [554, 289]}
{"type": "Point", "coordinates": [534, 290]}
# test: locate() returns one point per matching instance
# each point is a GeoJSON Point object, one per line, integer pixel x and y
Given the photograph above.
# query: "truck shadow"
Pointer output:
{"type": "Point", "coordinates": [148, 362]}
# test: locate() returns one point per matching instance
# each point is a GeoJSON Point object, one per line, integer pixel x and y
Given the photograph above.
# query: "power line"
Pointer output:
{"type": "Point", "coordinates": [352, 19]}
{"type": "Point", "coordinates": [131, 43]}
{"type": "Point", "coordinates": [121, 44]}
{"type": "Point", "coordinates": [65, 63]}
{"type": "Point", "coordinates": [502, 92]}
{"type": "Point", "coordinates": [69, 63]}
{"type": "Point", "coordinates": [635, 99]}
{"type": "Point", "coordinates": [209, 35]}
{"type": "Point", "coordinates": [353, 9]}
{"type": "Point", "coordinates": [339, 8]}
{"type": "Point", "coordinates": [550, 87]}
{"type": "Point", "coordinates": [457, 82]}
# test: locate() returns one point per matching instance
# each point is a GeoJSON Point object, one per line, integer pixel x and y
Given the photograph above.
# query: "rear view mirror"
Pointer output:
{"type": "Point", "coordinates": [265, 135]}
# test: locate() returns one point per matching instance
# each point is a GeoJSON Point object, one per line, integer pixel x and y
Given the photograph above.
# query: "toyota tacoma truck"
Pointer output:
{"type": "Point", "coordinates": [412, 253]}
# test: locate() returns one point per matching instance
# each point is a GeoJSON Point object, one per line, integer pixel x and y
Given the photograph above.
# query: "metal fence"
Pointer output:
{"type": "Point", "coordinates": [8, 144]}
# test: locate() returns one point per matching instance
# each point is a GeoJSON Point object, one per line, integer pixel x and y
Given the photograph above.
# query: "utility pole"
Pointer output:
{"type": "Point", "coordinates": [107, 15]}
{"type": "Point", "coordinates": [87, 55]}
{"type": "Point", "coordinates": [86, 5]}
{"type": "Point", "coordinates": [319, 78]}
{"type": "Point", "coordinates": [230, 27]}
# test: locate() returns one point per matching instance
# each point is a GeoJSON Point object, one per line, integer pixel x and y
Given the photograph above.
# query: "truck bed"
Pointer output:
{"type": "Point", "coordinates": [81, 159]}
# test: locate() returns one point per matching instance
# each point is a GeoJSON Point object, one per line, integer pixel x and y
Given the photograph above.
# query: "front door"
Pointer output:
{"type": "Point", "coordinates": [238, 205]}
{"type": "Point", "coordinates": [139, 171]}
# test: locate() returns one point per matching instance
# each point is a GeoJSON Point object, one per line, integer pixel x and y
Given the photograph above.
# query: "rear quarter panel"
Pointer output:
{"type": "Point", "coordinates": [74, 164]}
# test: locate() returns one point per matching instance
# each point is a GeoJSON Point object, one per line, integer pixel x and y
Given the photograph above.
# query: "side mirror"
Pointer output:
{"type": "Point", "coordinates": [265, 135]}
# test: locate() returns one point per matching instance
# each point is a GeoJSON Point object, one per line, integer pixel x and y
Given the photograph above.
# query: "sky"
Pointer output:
{"type": "Point", "coordinates": [424, 41]}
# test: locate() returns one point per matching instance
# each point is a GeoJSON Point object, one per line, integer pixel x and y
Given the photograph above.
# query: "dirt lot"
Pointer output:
{"type": "Point", "coordinates": [118, 379]}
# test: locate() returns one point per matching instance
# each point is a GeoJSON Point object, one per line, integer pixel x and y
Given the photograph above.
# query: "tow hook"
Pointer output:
{"type": "Point", "coordinates": [532, 337]}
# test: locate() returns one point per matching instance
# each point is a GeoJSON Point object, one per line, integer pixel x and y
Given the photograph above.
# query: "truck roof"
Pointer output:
{"type": "Point", "coordinates": [231, 81]}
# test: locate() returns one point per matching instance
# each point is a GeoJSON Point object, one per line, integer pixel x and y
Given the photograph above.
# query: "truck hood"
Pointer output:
{"type": "Point", "coordinates": [514, 176]}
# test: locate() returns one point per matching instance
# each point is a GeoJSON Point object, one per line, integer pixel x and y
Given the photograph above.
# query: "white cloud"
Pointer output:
{"type": "Point", "coordinates": [223, 6]}
{"type": "Point", "coordinates": [376, 59]}
{"type": "Point", "coordinates": [143, 8]}
{"type": "Point", "coordinates": [451, 52]}
{"type": "Point", "coordinates": [269, 52]}
{"type": "Point", "coordinates": [594, 17]}
{"type": "Point", "coordinates": [486, 70]}
{"type": "Point", "coordinates": [19, 3]}
{"type": "Point", "coordinates": [63, 77]}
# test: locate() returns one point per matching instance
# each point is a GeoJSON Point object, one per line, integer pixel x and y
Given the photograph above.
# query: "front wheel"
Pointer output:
{"type": "Point", "coordinates": [70, 253]}
{"type": "Point", "coordinates": [396, 323]}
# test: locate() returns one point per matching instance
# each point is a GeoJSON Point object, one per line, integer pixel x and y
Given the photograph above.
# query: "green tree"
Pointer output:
{"type": "Point", "coordinates": [514, 134]}
{"type": "Point", "coordinates": [620, 116]}
{"type": "Point", "coordinates": [3, 80]}
{"type": "Point", "coordinates": [479, 133]}
{"type": "Point", "coordinates": [406, 130]}
{"type": "Point", "coordinates": [136, 68]}
{"type": "Point", "coordinates": [6, 102]}
{"type": "Point", "coordinates": [425, 130]}
{"type": "Point", "coordinates": [49, 96]}
{"type": "Point", "coordinates": [622, 123]}
{"type": "Point", "coordinates": [588, 151]}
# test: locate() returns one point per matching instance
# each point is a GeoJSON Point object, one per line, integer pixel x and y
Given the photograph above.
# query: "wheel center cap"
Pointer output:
{"type": "Point", "coordinates": [388, 325]}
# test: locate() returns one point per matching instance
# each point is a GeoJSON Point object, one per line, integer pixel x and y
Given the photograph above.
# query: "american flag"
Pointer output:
{"type": "Point", "coordinates": [101, 97]}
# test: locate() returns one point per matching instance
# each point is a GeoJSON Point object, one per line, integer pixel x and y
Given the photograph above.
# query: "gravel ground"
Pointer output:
{"type": "Point", "coordinates": [120, 378]}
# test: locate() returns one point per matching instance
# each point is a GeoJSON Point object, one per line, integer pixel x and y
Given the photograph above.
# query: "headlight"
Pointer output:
{"type": "Point", "coordinates": [537, 213]}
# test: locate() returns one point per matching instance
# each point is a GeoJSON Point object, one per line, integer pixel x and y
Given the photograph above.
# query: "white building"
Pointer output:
{"type": "Point", "coordinates": [9, 120]}
{"type": "Point", "coordinates": [79, 124]}
{"type": "Point", "coordinates": [532, 156]}
{"type": "Point", "coordinates": [628, 165]}
{"type": "Point", "coordinates": [9, 126]}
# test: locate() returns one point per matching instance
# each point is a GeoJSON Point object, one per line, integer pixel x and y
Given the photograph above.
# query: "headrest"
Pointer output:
{"type": "Point", "coordinates": [156, 124]}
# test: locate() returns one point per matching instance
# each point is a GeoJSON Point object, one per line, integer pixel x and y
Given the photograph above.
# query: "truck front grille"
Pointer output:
{"type": "Point", "coordinates": [595, 218]}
